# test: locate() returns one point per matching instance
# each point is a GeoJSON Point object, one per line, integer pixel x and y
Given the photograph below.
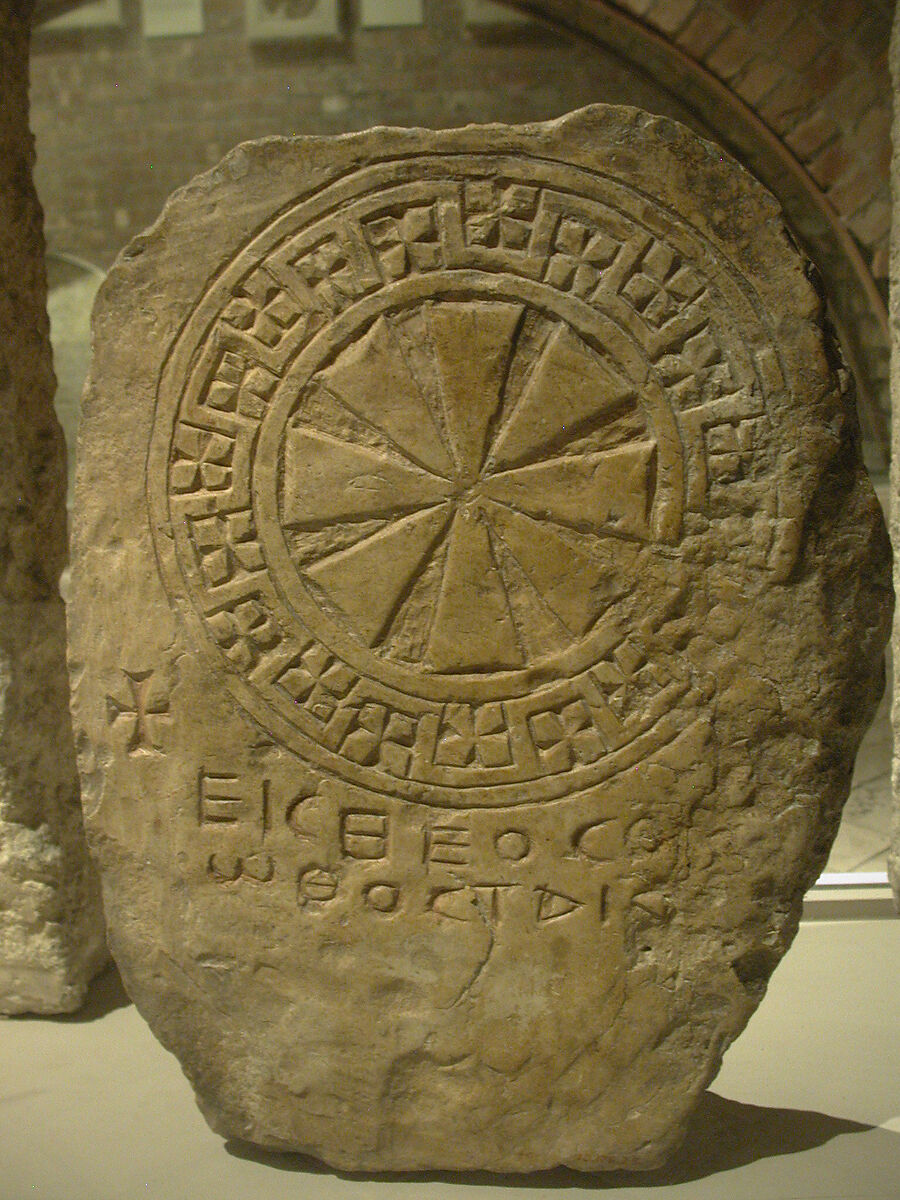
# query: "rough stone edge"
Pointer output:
{"type": "Point", "coordinates": [894, 852]}
{"type": "Point", "coordinates": [53, 938]}
{"type": "Point", "coordinates": [324, 158]}
{"type": "Point", "coordinates": [728, 210]}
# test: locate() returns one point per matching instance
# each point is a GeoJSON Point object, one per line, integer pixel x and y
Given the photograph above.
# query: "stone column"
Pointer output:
{"type": "Point", "coordinates": [894, 855]}
{"type": "Point", "coordinates": [51, 928]}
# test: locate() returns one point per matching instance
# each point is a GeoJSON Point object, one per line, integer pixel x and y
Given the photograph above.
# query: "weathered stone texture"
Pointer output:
{"type": "Point", "coordinates": [478, 603]}
{"type": "Point", "coordinates": [894, 855]}
{"type": "Point", "coordinates": [51, 929]}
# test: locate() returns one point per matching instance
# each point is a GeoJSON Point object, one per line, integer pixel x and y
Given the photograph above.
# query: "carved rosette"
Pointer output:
{"type": "Point", "coordinates": [442, 423]}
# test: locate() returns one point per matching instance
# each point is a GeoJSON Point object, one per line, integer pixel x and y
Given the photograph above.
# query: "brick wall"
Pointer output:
{"type": "Point", "coordinates": [125, 119]}
{"type": "Point", "coordinates": [121, 121]}
{"type": "Point", "coordinates": [815, 71]}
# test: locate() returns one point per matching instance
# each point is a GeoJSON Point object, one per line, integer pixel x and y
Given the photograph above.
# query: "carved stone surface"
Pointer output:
{"type": "Point", "coordinates": [51, 928]}
{"type": "Point", "coordinates": [478, 603]}
{"type": "Point", "coordinates": [894, 853]}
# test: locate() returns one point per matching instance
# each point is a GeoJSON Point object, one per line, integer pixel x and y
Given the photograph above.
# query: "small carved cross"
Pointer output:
{"type": "Point", "coordinates": [140, 717]}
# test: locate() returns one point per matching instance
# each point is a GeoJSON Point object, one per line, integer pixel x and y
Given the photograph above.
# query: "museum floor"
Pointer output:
{"type": "Point", "coordinates": [862, 843]}
{"type": "Point", "coordinates": [806, 1107]}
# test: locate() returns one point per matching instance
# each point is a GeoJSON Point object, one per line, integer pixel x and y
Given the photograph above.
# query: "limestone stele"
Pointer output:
{"type": "Point", "coordinates": [478, 602]}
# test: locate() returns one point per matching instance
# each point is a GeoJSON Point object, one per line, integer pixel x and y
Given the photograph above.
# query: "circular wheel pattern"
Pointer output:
{"type": "Point", "coordinates": [466, 485]}
{"type": "Point", "coordinates": [419, 451]}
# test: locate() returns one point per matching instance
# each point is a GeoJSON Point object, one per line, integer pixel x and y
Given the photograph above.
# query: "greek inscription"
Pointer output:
{"type": "Point", "coordinates": [317, 884]}
{"type": "Point", "coordinates": [220, 801]}
{"type": "Point", "coordinates": [491, 903]}
{"type": "Point", "coordinates": [448, 844]}
{"type": "Point", "coordinates": [653, 905]}
{"type": "Point", "coordinates": [302, 815]}
{"type": "Point", "coordinates": [364, 834]}
{"type": "Point", "coordinates": [551, 906]}
{"type": "Point", "coordinates": [382, 897]}
{"type": "Point", "coordinates": [513, 844]}
{"type": "Point", "coordinates": [364, 837]}
{"type": "Point", "coordinates": [225, 800]}
{"type": "Point", "coordinates": [473, 902]}
{"type": "Point", "coordinates": [230, 868]}
{"type": "Point", "coordinates": [604, 902]}
{"type": "Point", "coordinates": [603, 841]}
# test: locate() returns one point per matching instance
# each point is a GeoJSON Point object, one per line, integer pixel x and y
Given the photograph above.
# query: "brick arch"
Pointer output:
{"type": "Point", "coordinates": [799, 90]}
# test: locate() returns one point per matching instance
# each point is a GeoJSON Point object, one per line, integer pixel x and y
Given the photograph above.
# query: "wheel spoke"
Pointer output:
{"type": "Point", "coordinates": [309, 545]}
{"type": "Point", "coordinates": [473, 628]}
{"type": "Point", "coordinates": [407, 637]}
{"type": "Point", "coordinates": [540, 630]}
{"type": "Point", "coordinates": [327, 479]}
{"type": "Point", "coordinates": [469, 486]}
{"type": "Point", "coordinates": [574, 585]}
{"type": "Point", "coordinates": [569, 389]}
{"type": "Point", "coordinates": [372, 380]}
{"type": "Point", "coordinates": [473, 345]}
{"type": "Point", "coordinates": [610, 491]}
{"type": "Point", "coordinates": [370, 581]}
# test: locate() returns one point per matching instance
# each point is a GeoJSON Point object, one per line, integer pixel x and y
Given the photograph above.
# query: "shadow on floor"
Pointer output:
{"type": "Point", "coordinates": [722, 1136]}
{"type": "Point", "coordinates": [107, 993]}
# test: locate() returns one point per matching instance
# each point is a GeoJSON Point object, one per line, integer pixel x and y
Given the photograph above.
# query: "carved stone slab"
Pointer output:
{"type": "Point", "coordinates": [478, 603]}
